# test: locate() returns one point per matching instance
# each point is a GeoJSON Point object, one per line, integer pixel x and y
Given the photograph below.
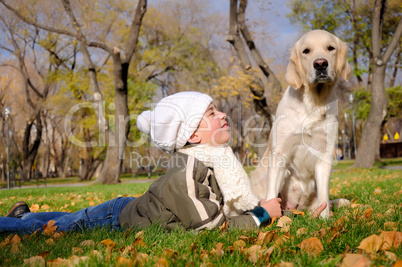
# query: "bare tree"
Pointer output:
{"type": "Point", "coordinates": [370, 136]}
{"type": "Point", "coordinates": [116, 138]}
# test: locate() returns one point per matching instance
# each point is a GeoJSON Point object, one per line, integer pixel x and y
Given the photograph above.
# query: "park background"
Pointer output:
{"type": "Point", "coordinates": [89, 62]}
{"type": "Point", "coordinates": [74, 76]}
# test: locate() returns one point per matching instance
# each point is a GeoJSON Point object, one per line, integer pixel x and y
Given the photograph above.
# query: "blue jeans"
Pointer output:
{"type": "Point", "coordinates": [105, 214]}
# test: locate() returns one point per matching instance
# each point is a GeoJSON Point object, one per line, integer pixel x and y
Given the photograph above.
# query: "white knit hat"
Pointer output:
{"type": "Point", "coordinates": [174, 119]}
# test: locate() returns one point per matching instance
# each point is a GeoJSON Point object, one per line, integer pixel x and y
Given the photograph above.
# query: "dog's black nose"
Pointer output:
{"type": "Point", "coordinates": [320, 64]}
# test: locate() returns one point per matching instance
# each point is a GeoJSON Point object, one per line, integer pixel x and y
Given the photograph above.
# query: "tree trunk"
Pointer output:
{"type": "Point", "coordinates": [238, 25]}
{"type": "Point", "coordinates": [30, 151]}
{"type": "Point", "coordinates": [368, 143]}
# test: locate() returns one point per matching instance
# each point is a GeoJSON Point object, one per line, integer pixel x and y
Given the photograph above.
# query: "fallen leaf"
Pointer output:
{"type": "Point", "coordinates": [390, 240]}
{"type": "Point", "coordinates": [239, 244]}
{"type": "Point", "coordinates": [15, 248]}
{"type": "Point", "coordinates": [253, 253]}
{"type": "Point", "coordinates": [311, 246]}
{"type": "Point", "coordinates": [140, 234]}
{"type": "Point", "coordinates": [34, 208]}
{"type": "Point", "coordinates": [109, 243]}
{"type": "Point", "coordinates": [218, 250]}
{"type": "Point", "coordinates": [15, 240]}
{"type": "Point", "coordinates": [162, 262]}
{"type": "Point", "coordinates": [91, 203]}
{"type": "Point", "coordinates": [265, 237]}
{"type": "Point", "coordinates": [355, 260]}
{"type": "Point", "coordinates": [367, 213]}
{"type": "Point", "coordinates": [281, 240]}
{"type": "Point", "coordinates": [138, 242]}
{"type": "Point", "coordinates": [58, 262]}
{"type": "Point", "coordinates": [50, 241]}
{"type": "Point", "coordinates": [49, 228]}
{"type": "Point", "coordinates": [124, 262]}
{"type": "Point", "coordinates": [398, 264]}
{"type": "Point", "coordinates": [77, 250]}
{"type": "Point", "coordinates": [283, 221]}
{"type": "Point", "coordinates": [393, 226]}
{"type": "Point", "coordinates": [371, 244]}
{"type": "Point", "coordinates": [45, 207]}
{"type": "Point", "coordinates": [391, 256]}
{"type": "Point", "coordinates": [44, 254]}
{"type": "Point", "coordinates": [35, 261]}
{"type": "Point", "coordinates": [223, 227]}
{"type": "Point", "coordinates": [301, 231]}
{"type": "Point", "coordinates": [88, 243]}
{"type": "Point", "coordinates": [377, 191]}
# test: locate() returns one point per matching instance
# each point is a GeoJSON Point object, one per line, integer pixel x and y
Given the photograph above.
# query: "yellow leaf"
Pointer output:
{"type": "Point", "coordinates": [371, 244]}
{"type": "Point", "coordinates": [91, 203]}
{"type": "Point", "coordinates": [355, 260]}
{"type": "Point", "coordinates": [311, 246]}
{"type": "Point", "coordinates": [390, 240]}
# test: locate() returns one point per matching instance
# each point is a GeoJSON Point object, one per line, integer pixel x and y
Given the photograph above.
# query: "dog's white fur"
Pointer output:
{"type": "Point", "coordinates": [297, 163]}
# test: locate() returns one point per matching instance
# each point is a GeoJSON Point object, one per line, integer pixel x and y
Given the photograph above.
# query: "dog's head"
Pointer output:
{"type": "Point", "coordinates": [317, 57]}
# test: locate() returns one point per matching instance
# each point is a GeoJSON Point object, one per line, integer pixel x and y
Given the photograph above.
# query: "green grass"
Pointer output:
{"type": "Point", "coordinates": [379, 189]}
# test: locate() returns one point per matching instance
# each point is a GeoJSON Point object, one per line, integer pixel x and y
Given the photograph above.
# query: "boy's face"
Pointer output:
{"type": "Point", "coordinates": [213, 129]}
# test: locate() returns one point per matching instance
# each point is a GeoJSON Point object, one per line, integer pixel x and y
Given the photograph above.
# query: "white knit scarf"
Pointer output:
{"type": "Point", "coordinates": [230, 175]}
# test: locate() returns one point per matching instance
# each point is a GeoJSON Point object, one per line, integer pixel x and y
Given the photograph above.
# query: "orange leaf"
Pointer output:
{"type": "Point", "coordinates": [109, 243]}
{"type": "Point", "coordinates": [312, 246]}
{"type": "Point", "coordinates": [398, 264]}
{"type": "Point", "coordinates": [301, 231]}
{"type": "Point", "coordinates": [44, 254]}
{"type": "Point", "coordinates": [218, 250]}
{"type": "Point", "coordinates": [391, 240]}
{"type": "Point", "coordinates": [49, 228]}
{"type": "Point", "coordinates": [16, 240]}
{"type": "Point", "coordinates": [138, 242]}
{"type": "Point", "coordinates": [367, 213]}
{"type": "Point", "coordinates": [371, 244]}
{"type": "Point", "coordinates": [124, 262]}
{"type": "Point", "coordinates": [355, 260]}
{"type": "Point", "coordinates": [34, 208]}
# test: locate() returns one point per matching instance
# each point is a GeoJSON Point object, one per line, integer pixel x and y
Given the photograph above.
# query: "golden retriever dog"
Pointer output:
{"type": "Point", "coordinates": [297, 163]}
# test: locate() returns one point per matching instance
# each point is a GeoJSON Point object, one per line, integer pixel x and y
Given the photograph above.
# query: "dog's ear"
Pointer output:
{"type": "Point", "coordinates": [343, 67]}
{"type": "Point", "coordinates": [292, 75]}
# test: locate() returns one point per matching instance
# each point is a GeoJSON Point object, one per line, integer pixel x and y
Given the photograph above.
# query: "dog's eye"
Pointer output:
{"type": "Point", "coordinates": [330, 48]}
{"type": "Point", "coordinates": [306, 51]}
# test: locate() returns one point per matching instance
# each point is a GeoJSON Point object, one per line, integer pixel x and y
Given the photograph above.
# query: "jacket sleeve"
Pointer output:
{"type": "Point", "coordinates": [194, 203]}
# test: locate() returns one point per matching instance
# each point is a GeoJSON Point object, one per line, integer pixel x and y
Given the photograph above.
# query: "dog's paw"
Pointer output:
{"type": "Point", "coordinates": [339, 202]}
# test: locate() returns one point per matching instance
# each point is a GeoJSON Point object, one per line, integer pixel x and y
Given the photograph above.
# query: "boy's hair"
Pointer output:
{"type": "Point", "coordinates": [174, 119]}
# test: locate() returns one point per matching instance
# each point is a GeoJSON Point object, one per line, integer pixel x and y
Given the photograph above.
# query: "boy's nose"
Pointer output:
{"type": "Point", "coordinates": [222, 115]}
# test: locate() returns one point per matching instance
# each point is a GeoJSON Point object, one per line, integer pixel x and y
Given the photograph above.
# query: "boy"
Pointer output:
{"type": "Point", "coordinates": [203, 187]}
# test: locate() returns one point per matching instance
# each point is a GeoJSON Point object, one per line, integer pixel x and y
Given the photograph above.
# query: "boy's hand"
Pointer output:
{"type": "Point", "coordinates": [272, 206]}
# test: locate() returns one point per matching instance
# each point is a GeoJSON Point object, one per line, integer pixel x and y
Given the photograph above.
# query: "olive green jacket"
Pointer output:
{"type": "Point", "coordinates": [187, 196]}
